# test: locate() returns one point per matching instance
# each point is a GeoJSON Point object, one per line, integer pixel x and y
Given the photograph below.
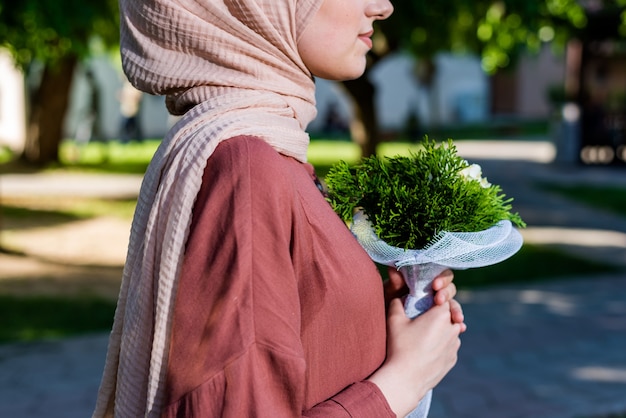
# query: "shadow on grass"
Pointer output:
{"type": "Point", "coordinates": [29, 318]}
{"type": "Point", "coordinates": [533, 263]}
{"type": "Point", "coordinates": [41, 212]}
{"type": "Point", "coordinates": [19, 218]}
{"type": "Point", "coordinates": [612, 199]}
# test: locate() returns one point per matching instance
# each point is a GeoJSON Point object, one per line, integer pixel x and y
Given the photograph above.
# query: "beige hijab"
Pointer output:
{"type": "Point", "coordinates": [232, 68]}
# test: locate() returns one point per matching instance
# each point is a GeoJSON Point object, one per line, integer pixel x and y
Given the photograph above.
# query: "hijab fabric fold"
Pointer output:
{"type": "Point", "coordinates": [232, 68]}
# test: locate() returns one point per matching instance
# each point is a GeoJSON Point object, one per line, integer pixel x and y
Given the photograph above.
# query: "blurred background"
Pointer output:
{"type": "Point", "coordinates": [533, 90]}
{"type": "Point", "coordinates": [464, 68]}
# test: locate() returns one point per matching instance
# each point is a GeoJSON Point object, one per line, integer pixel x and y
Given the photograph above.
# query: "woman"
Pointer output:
{"type": "Point", "coordinates": [243, 293]}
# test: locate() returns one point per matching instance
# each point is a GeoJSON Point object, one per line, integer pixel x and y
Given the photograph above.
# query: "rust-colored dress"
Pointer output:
{"type": "Point", "coordinates": [279, 312]}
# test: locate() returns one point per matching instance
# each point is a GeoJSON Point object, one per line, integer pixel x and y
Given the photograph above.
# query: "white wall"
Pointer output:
{"type": "Point", "coordinates": [12, 105]}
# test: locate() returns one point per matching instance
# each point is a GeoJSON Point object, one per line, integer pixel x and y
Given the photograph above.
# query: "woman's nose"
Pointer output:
{"type": "Point", "coordinates": [379, 9]}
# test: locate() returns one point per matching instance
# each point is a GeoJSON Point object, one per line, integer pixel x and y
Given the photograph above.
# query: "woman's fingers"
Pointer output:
{"type": "Point", "coordinates": [395, 287]}
{"type": "Point", "coordinates": [396, 281]}
{"type": "Point", "coordinates": [396, 309]}
{"type": "Point", "coordinates": [456, 314]}
{"type": "Point", "coordinates": [443, 279]}
{"type": "Point", "coordinates": [445, 291]}
{"type": "Point", "coordinates": [445, 294]}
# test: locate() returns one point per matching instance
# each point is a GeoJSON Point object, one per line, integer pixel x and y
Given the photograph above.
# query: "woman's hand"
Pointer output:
{"type": "Point", "coordinates": [445, 291]}
{"type": "Point", "coordinates": [420, 352]}
{"type": "Point", "coordinates": [395, 286]}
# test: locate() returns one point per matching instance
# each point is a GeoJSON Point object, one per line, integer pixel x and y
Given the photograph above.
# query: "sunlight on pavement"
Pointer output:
{"type": "Point", "coordinates": [553, 301]}
{"type": "Point", "coordinates": [71, 184]}
{"type": "Point", "coordinates": [100, 241]}
{"type": "Point", "coordinates": [537, 151]}
{"type": "Point", "coordinates": [600, 374]}
{"type": "Point", "coordinates": [574, 236]}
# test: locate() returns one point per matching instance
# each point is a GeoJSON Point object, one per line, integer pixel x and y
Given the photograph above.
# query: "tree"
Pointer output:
{"type": "Point", "coordinates": [48, 38]}
{"type": "Point", "coordinates": [497, 30]}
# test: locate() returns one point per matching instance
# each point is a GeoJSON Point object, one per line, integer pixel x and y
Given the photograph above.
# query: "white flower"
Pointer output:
{"type": "Point", "coordinates": [475, 173]}
{"type": "Point", "coordinates": [472, 172]}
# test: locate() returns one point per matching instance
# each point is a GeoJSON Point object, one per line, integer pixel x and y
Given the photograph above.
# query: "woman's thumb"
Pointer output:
{"type": "Point", "coordinates": [396, 307]}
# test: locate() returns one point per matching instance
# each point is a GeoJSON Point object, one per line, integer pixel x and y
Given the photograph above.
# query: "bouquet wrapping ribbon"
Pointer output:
{"type": "Point", "coordinates": [419, 267]}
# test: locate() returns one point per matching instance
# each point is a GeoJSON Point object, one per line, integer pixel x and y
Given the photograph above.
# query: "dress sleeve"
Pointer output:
{"type": "Point", "coordinates": [362, 399]}
{"type": "Point", "coordinates": [236, 348]}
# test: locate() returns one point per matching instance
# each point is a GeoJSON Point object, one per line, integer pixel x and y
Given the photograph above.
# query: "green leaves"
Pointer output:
{"type": "Point", "coordinates": [498, 30]}
{"type": "Point", "coordinates": [409, 200]}
{"type": "Point", "coordinates": [48, 30]}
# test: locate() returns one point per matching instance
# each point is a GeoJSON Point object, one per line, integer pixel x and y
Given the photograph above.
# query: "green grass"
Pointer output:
{"type": "Point", "coordinates": [5, 155]}
{"type": "Point", "coordinates": [612, 199]}
{"type": "Point", "coordinates": [533, 263]}
{"type": "Point", "coordinates": [114, 157]}
{"type": "Point", "coordinates": [109, 157]}
{"type": "Point", "coordinates": [324, 153]}
{"type": "Point", "coordinates": [34, 318]}
{"type": "Point", "coordinates": [133, 158]}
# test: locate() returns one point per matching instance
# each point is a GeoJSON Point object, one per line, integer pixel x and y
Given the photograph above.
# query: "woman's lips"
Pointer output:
{"type": "Point", "coordinates": [366, 38]}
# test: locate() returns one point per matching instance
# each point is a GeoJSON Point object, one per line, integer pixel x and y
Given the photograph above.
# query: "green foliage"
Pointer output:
{"type": "Point", "coordinates": [410, 200]}
{"type": "Point", "coordinates": [612, 199]}
{"type": "Point", "coordinates": [497, 30]}
{"type": "Point", "coordinates": [47, 30]}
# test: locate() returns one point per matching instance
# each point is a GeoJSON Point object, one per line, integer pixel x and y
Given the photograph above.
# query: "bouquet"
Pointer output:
{"type": "Point", "coordinates": [424, 213]}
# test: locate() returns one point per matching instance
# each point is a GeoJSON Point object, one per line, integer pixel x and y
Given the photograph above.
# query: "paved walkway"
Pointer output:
{"type": "Point", "coordinates": [548, 350]}
{"type": "Point", "coordinates": [555, 350]}
{"type": "Point", "coordinates": [60, 185]}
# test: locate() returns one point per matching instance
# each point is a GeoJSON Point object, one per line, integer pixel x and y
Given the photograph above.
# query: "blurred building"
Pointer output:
{"type": "Point", "coordinates": [152, 117]}
{"type": "Point", "coordinates": [460, 92]}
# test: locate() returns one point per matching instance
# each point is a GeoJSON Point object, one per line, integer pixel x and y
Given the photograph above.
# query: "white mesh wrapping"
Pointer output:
{"type": "Point", "coordinates": [456, 250]}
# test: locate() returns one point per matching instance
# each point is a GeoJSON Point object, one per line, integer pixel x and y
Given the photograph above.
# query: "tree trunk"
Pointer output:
{"type": "Point", "coordinates": [364, 128]}
{"type": "Point", "coordinates": [426, 72]}
{"type": "Point", "coordinates": [47, 113]}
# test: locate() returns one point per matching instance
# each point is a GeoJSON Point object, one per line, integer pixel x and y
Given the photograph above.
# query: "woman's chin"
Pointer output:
{"type": "Point", "coordinates": [346, 75]}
